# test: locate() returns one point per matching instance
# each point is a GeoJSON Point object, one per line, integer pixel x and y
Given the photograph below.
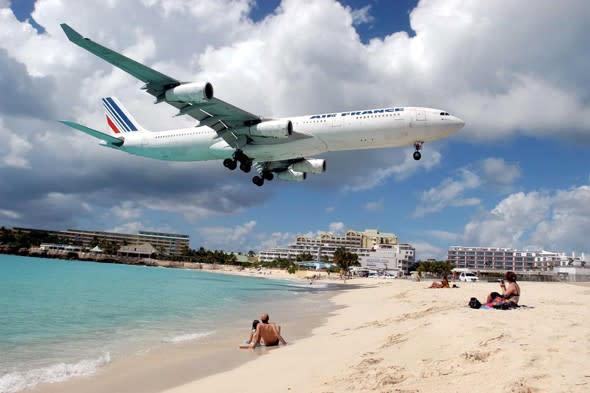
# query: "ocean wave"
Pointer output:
{"type": "Point", "coordinates": [187, 337]}
{"type": "Point", "coordinates": [20, 380]}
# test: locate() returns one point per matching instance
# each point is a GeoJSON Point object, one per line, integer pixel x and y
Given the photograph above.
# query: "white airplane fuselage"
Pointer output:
{"type": "Point", "coordinates": [357, 130]}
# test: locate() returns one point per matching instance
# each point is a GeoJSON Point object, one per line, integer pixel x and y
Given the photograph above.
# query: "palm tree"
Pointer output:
{"type": "Point", "coordinates": [345, 259]}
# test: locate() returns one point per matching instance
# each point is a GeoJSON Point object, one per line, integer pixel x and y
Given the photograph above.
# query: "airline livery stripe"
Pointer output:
{"type": "Point", "coordinates": [115, 117]}
{"type": "Point", "coordinates": [113, 126]}
{"type": "Point", "coordinates": [123, 116]}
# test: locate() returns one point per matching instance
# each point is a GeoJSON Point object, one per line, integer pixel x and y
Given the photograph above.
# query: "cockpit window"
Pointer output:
{"type": "Point", "coordinates": [445, 114]}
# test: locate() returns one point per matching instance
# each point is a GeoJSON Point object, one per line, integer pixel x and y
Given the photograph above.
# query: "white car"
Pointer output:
{"type": "Point", "coordinates": [468, 277]}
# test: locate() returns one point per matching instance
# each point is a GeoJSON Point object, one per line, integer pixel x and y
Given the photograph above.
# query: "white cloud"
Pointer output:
{"type": "Point", "coordinates": [558, 221]}
{"type": "Point", "coordinates": [425, 250]}
{"type": "Point", "coordinates": [374, 205]}
{"type": "Point", "coordinates": [362, 15]}
{"type": "Point", "coordinates": [227, 238]}
{"type": "Point", "coordinates": [449, 193]}
{"type": "Point", "coordinates": [128, 210]}
{"type": "Point", "coordinates": [330, 209]}
{"type": "Point", "coordinates": [407, 168]}
{"type": "Point", "coordinates": [336, 227]}
{"type": "Point", "coordinates": [14, 149]}
{"type": "Point", "coordinates": [274, 240]}
{"type": "Point", "coordinates": [9, 214]}
{"type": "Point", "coordinates": [503, 78]}
{"type": "Point", "coordinates": [498, 171]}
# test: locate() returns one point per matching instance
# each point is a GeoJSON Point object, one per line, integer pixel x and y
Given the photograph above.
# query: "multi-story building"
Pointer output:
{"type": "Point", "coordinates": [323, 246]}
{"type": "Point", "coordinates": [390, 257]}
{"type": "Point", "coordinates": [491, 258]}
{"type": "Point", "coordinates": [170, 244]}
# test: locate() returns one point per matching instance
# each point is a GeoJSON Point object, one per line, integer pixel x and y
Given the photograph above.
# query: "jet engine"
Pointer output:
{"type": "Point", "coordinates": [190, 92]}
{"type": "Point", "coordinates": [291, 175]}
{"type": "Point", "coordinates": [273, 129]}
{"type": "Point", "coordinates": [315, 165]}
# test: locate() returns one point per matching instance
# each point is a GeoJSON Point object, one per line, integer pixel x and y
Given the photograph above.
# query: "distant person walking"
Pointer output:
{"type": "Point", "coordinates": [267, 331]}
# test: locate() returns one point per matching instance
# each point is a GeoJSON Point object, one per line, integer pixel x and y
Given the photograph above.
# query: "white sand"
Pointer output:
{"type": "Point", "coordinates": [400, 337]}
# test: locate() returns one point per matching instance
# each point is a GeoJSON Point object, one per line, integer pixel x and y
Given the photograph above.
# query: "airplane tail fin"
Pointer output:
{"type": "Point", "coordinates": [118, 117]}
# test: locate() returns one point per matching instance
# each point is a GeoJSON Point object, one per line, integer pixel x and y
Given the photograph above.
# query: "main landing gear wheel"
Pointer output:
{"type": "Point", "coordinates": [245, 166]}
{"type": "Point", "coordinates": [258, 181]}
{"type": "Point", "coordinates": [417, 155]}
{"type": "Point", "coordinates": [230, 164]}
{"type": "Point", "coordinates": [268, 175]}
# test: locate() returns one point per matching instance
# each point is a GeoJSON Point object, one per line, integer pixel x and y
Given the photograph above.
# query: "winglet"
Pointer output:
{"type": "Point", "coordinates": [72, 34]}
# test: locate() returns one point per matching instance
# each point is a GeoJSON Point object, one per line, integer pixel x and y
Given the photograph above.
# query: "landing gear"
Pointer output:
{"type": "Point", "coordinates": [245, 166]}
{"type": "Point", "coordinates": [417, 155]}
{"type": "Point", "coordinates": [258, 181]}
{"type": "Point", "coordinates": [230, 164]}
{"type": "Point", "coordinates": [244, 160]}
{"type": "Point", "coordinates": [266, 175]}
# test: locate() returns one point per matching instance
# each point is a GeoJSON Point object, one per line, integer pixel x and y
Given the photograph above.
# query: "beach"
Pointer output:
{"type": "Point", "coordinates": [382, 335]}
{"type": "Point", "coordinates": [398, 336]}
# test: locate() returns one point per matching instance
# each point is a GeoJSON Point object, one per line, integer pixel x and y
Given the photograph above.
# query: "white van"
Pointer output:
{"type": "Point", "coordinates": [468, 277]}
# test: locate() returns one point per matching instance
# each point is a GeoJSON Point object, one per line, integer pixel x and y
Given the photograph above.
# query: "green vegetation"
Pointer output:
{"type": "Point", "coordinates": [345, 259]}
{"type": "Point", "coordinates": [20, 239]}
{"type": "Point", "coordinates": [203, 255]}
{"type": "Point", "coordinates": [304, 257]}
{"type": "Point", "coordinates": [438, 268]}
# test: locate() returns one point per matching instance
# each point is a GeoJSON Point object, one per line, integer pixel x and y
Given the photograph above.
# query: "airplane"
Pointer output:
{"type": "Point", "coordinates": [280, 147]}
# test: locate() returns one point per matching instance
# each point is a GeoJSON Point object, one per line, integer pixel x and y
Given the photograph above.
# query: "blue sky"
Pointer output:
{"type": "Point", "coordinates": [517, 175]}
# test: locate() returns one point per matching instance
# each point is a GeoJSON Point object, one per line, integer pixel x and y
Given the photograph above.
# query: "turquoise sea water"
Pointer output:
{"type": "Point", "coordinates": [60, 319]}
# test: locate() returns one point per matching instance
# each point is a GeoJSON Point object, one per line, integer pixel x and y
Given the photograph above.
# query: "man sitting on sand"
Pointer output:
{"type": "Point", "coordinates": [270, 332]}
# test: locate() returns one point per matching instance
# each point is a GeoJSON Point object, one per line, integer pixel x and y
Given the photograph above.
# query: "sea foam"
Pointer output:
{"type": "Point", "coordinates": [187, 337]}
{"type": "Point", "coordinates": [20, 380]}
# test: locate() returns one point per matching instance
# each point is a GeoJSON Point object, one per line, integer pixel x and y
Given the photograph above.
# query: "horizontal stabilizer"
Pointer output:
{"type": "Point", "coordinates": [110, 140]}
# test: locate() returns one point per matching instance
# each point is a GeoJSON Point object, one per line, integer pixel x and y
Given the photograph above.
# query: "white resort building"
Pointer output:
{"type": "Point", "coordinates": [493, 259]}
{"type": "Point", "coordinates": [382, 247]}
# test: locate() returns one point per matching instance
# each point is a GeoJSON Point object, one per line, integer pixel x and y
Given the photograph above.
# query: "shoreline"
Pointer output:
{"type": "Point", "coordinates": [174, 364]}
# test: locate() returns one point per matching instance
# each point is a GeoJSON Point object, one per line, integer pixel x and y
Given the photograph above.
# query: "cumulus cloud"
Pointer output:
{"type": "Point", "coordinates": [227, 237]}
{"type": "Point", "coordinates": [403, 170]}
{"type": "Point", "coordinates": [336, 227]}
{"type": "Point", "coordinates": [425, 250]}
{"type": "Point", "coordinates": [449, 193]}
{"type": "Point", "coordinates": [503, 78]}
{"type": "Point", "coordinates": [494, 172]}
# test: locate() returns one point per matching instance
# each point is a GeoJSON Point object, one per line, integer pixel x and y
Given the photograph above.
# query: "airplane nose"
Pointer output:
{"type": "Point", "coordinates": [458, 123]}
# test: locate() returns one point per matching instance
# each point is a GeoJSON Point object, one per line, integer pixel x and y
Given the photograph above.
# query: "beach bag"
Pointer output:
{"type": "Point", "coordinates": [474, 303]}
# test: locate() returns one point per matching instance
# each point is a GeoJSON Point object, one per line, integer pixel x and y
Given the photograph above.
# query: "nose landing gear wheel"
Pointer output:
{"type": "Point", "coordinates": [418, 146]}
{"type": "Point", "coordinates": [258, 181]}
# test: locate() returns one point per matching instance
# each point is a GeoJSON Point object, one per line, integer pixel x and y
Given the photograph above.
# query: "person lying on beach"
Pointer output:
{"type": "Point", "coordinates": [246, 344]}
{"type": "Point", "coordinates": [270, 332]}
{"type": "Point", "coordinates": [510, 294]}
{"type": "Point", "coordinates": [443, 284]}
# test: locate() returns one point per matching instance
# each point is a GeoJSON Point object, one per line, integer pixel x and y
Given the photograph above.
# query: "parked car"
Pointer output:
{"type": "Point", "coordinates": [468, 277]}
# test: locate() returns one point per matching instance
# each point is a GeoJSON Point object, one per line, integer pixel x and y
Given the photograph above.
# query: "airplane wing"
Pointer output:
{"type": "Point", "coordinates": [110, 140]}
{"type": "Point", "coordinates": [222, 117]}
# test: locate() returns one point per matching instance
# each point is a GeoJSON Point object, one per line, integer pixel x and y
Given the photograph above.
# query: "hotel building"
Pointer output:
{"type": "Point", "coordinates": [323, 246]}
{"type": "Point", "coordinates": [170, 244]}
{"type": "Point", "coordinates": [490, 259]}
